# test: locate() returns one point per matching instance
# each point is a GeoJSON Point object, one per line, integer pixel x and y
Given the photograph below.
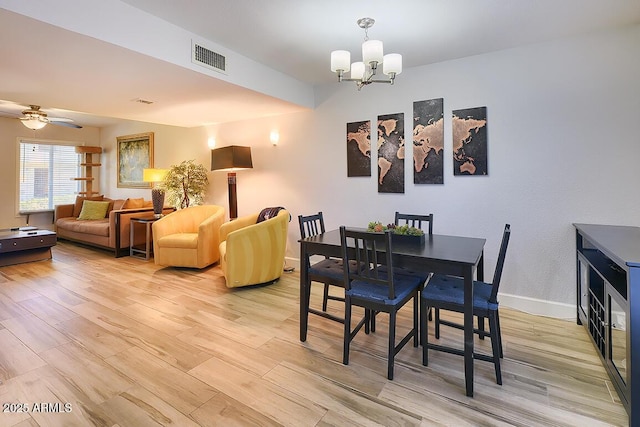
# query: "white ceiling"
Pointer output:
{"type": "Point", "coordinates": [57, 68]}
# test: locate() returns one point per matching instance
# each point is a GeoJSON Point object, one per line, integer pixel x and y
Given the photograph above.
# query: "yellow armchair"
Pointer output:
{"type": "Point", "coordinates": [253, 253]}
{"type": "Point", "coordinates": [188, 237]}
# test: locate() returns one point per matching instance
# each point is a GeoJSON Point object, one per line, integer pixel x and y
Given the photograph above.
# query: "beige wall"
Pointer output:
{"type": "Point", "coordinates": [172, 145]}
{"type": "Point", "coordinates": [10, 131]}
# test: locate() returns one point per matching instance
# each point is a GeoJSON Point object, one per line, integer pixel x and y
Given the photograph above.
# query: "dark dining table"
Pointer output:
{"type": "Point", "coordinates": [453, 255]}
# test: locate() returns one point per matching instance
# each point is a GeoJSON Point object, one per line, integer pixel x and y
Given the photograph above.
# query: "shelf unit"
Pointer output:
{"type": "Point", "coordinates": [88, 163]}
{"type": "Point", "coordinates": [608, 304]}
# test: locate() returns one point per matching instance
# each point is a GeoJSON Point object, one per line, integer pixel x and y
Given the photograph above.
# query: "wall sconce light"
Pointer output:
{"type": "Point", "coordinates": [211, 142]}
{"type": "Point", "coordinates": [274, 137]}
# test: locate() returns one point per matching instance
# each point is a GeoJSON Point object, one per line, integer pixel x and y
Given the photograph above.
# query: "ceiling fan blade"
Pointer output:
{"type": "Point", "coordinates": [64, 122]}
{"type": "Point", "coordinates": [9, 114]}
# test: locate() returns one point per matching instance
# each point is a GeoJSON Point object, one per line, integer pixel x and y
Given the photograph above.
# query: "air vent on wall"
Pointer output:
{"type": "Point", "coordinates": [208, 58]}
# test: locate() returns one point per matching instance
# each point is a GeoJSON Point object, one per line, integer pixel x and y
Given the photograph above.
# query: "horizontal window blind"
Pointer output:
{"type": "Point", "coordinates": [46, 172]}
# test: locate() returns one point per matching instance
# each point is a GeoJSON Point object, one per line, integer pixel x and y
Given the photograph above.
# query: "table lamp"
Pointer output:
{"type": "Point", "coordinates": [157, 194]}
{"type": "Point", "coordinates": [231, 158]}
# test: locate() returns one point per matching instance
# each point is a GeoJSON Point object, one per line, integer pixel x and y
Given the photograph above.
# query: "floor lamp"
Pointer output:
{"type": "Point", "coordinates": [231, 158]}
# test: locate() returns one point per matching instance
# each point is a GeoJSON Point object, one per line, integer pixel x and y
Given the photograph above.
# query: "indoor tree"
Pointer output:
{"type": "Point", "coordinates": [185, 184]}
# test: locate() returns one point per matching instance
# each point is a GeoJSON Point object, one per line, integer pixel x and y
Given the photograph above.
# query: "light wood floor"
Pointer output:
{"type": "Point", "coordinates": [124, 343]}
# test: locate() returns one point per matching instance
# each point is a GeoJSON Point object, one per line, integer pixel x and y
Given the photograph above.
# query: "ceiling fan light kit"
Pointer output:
{"type": "Point", "coordinates": [35, 119]}
{"type": "Point", "coordinates": [33, 124]}
{"type": "Point", "coordinates": [363, 73]}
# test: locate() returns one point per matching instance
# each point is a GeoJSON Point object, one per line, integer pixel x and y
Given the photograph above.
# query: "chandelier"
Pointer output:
{"type": "Point", "coordinates": [363, 73]}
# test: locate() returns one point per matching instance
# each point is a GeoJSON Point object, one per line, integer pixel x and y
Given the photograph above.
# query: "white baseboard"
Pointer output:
{"type": "Point", "coordinates": [538, 307]}
{"type": "Point", "coordinates": [528, 305]}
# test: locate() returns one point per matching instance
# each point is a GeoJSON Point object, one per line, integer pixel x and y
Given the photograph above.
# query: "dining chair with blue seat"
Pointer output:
{"type": "Point", "coordinates": [444, 292]}
{"type": "Point", "coordinates": [328, 271]}
{"type": "Point", "coordinates": [422, 222]}
{"type": "Point", "coordinates": [376, 290]}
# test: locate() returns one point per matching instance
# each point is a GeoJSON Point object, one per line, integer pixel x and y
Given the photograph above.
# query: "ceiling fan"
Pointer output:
{"type": "Point", "coordinates": [36, 119]}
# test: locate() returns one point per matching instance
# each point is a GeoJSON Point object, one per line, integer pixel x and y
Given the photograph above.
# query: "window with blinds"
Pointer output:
{"type": "Point", "coordinates": [45, 175]}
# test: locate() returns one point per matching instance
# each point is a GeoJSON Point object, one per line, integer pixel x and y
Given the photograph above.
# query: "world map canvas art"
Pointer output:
{"type": "Point", "coordinates": [391, 152]}
{"type": "Point", "coordinates": [359, 148]}
{"type": "Point", "coordinates": [428, 141]}
{"type": "Point", "coordinates": [470, 141]}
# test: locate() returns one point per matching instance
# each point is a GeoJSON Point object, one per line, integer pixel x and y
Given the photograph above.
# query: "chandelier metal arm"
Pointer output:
{"type": "Point", "coordinates": [366, 81]}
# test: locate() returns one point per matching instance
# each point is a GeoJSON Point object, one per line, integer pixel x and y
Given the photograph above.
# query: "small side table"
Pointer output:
{"type": "Point", "coordinates": [148, 248]}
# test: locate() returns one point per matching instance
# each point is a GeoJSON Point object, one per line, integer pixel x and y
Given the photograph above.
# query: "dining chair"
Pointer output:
{"type": "Point", "coordinates": [417, 221]}
{"type": "Point", "coordinates": [447, 293]}
{"type": "Point", "coordinates": [375, 289]}
{"type": "Point", "coordinates": [328, 271]}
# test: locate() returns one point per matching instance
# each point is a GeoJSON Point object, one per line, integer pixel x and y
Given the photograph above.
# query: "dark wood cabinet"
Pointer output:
{"type": "Point", "coordinates": [608, 303]}
{"type": "Point", "coordinates": [25, 245]}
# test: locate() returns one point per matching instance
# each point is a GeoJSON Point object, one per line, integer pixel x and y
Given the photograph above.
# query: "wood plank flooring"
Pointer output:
{"type": "Point", "coordinates": [90, 340]}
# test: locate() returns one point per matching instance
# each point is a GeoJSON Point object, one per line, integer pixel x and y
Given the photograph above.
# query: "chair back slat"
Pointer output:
{"type": "Point", "coordinates": [497, 275]}
{"type": "Point", "coordinates": [416, 221]}
{"type": "Point", "coordinates": [370, 251]}
{"type": "Point", "coordinates": [311, 225]}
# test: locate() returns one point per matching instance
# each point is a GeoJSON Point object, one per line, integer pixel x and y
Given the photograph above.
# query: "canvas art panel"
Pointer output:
{"type": "Point", "coordinates": [391, 153]}
{"type": "Point", "coordinates": [428, 141]}
{"type": "Point", "coordinates": [470, 141]}
{"type": "Point", "coordinates": [359, 148]}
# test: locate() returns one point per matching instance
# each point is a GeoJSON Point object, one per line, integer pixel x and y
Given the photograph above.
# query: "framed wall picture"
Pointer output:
{"type": "Point", "coordinates": [135, 153]}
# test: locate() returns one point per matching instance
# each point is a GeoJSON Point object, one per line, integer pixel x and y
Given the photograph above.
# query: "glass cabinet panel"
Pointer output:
{"type": "Point", "coordinates": [584, 287]}
{"type": "Point", "coordinates": [618, 336]}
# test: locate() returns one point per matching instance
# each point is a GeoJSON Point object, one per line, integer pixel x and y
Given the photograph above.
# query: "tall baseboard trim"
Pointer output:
{"type": "Point", "coordinates": [538, 307]}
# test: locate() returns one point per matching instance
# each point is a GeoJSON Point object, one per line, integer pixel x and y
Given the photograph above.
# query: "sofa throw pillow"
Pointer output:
{"type": "Point", "coordinates": [77, 207]}
{"type": "Point", "coordinates": [134, 203]}
{"type": "Point", "coordinates": [118, 204]}
{"type": "Point", "coordinates": [267, 213]}
{"type": "Point", "coordinates": [92, 209]}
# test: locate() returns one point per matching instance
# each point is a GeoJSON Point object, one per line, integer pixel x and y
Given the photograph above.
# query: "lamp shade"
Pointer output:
{"type": "Point", "coordinates": [357, 70]}
{"type": "Point", "coordinates": [231, 157]}
{"type": "Point", "coordinates": [392, 64]}
{"type": "Point", "coordinates": [154, 175]}
{"type": "Point", "coordinates": [340, 60]}
{"type": "Point", "coordinates": [372, 51]}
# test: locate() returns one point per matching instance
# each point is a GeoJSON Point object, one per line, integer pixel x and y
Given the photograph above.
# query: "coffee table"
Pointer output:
{"type": "Point", "coordinates": [25, 245]}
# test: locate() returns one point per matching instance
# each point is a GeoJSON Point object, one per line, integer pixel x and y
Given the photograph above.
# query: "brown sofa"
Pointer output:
{"type": "Point", "coordinates": [111, 232]}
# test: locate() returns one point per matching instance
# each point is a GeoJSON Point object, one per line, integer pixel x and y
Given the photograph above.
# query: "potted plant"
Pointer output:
{"type": "Point", "coordinates": [400, 233]}
{"type": "Point", "coordinates": [185, 184]}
